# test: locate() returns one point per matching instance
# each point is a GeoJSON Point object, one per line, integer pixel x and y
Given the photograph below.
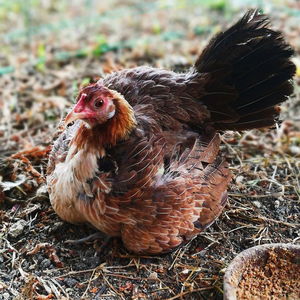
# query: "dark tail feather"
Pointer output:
{"type": "Point", "coordinates": [249, 73]}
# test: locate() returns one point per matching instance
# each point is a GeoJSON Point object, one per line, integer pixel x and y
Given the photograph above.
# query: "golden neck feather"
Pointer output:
{"type": "Point", "coordinates": [113, 130]}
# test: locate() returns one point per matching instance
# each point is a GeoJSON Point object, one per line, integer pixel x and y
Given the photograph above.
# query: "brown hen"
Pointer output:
{"type": "Point", "coordinates": [142, 161]}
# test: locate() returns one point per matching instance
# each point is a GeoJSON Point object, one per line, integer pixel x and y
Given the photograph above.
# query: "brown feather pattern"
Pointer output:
{"type": "Point", "coordinates": [152, 174]}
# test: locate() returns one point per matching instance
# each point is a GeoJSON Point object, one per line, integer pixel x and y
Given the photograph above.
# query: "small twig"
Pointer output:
{"type": "Point", "coordinates": [89, 283]}
{"type": "Point", "coordinates": [75, 273]}
{"type": "Point", "coordinates": [232, 150]}
{"type": "Point", "coordinates": [241, 227]}
{"type": "Point", "coordinates": [174, 260]}
{"type": "Point", "coordinates": [257, 196]}
{"type": "Point", "coordinates": [131, 278]}
{"type": "Point", "coordinates": [293, 225]}
{"type": "Point", "coordinates": [190, 292]}
{"type": "Point", "coordinates": [110, 285]}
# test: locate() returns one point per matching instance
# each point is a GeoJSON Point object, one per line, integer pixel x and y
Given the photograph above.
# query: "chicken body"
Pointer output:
{"type": "Point", "coordinates": [149, 169]}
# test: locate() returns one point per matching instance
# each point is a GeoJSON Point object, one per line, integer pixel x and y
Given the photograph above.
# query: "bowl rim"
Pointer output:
{"type": "Point", "coordinates": [230, 284]}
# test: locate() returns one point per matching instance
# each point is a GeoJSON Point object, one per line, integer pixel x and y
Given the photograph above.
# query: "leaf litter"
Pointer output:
{"type": "Point", "coordinates": [35, 261]}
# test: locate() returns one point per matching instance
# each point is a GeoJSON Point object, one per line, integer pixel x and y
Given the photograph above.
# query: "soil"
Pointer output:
{"type": "Point", "coordinates": [276, 277]}
{"type": "Point", "coordinates": [48, 50]}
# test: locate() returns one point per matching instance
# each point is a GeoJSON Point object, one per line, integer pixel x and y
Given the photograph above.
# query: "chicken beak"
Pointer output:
{"type": "Point", "coordinates": [73, 116]}
{"type": "Point", "coordinates": [79, 111]}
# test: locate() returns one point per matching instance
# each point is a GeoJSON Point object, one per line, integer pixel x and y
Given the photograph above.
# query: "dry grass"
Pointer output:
{"type": "Point", "coordinates": [35, 261]}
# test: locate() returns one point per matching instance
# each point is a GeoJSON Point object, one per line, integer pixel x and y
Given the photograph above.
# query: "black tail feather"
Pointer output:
{"type": "Point", "coordinates": [249, 65]}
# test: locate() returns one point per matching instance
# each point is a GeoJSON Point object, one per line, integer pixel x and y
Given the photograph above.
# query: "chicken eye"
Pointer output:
{"type": "Point", "coordinates": [98, 103]}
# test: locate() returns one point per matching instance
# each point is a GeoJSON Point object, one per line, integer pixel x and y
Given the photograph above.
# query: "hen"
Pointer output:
{"type": "Point", "coordinates": [141, 161]}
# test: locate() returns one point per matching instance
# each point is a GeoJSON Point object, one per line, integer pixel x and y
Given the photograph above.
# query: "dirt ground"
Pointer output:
{"type": "Point", "coordinates": [49, 49]}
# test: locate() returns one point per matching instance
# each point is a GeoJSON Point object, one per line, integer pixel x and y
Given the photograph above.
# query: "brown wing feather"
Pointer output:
{"type": "Point", "coordinates": [180, 204]}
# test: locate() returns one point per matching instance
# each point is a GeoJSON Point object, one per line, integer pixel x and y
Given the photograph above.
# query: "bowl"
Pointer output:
{"type": "Point", "coordinates": [269, 271]}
